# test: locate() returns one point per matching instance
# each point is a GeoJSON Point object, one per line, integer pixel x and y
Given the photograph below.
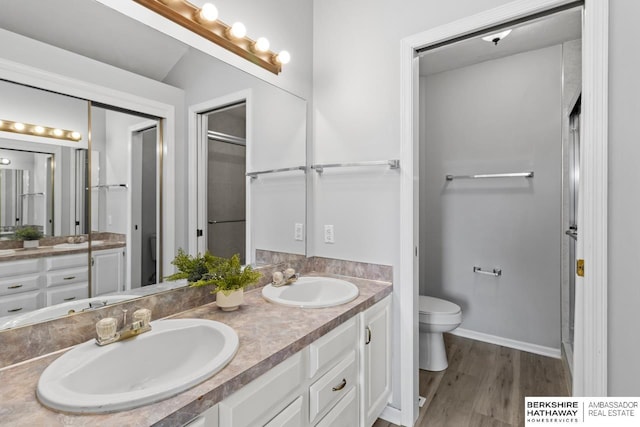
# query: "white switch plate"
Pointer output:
{"type": "Point", "coordinates": [298, 232]}
{"type": "Point", "coordinates": [329, 236]}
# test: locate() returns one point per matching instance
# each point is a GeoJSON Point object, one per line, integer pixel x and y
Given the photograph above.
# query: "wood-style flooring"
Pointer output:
{"type": "Point", "coordinates": [485, 386]}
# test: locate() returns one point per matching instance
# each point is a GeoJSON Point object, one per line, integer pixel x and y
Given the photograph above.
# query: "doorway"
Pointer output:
{"type": "Point", "coordinates": [223, 171]}
{"type": "Point", "coordinates": [590, 365]}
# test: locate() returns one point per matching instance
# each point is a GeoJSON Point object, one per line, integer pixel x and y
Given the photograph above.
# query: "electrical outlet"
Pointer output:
{"type": "Point", "coordinates": [329, 236]}
{"type": "Point", "coordinates": [298, 232]}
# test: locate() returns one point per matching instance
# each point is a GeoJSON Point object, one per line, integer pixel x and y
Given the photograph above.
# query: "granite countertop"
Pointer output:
{"type": "Point", "coordinates": [268, 333]}
{"type": "Point", "coordinates": [45, 251]}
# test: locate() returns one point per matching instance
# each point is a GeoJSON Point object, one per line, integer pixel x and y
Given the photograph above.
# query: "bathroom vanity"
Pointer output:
{"type": "Point", "coordinates": [48, 276]}
{"type": "Point", "coordinates": [294, 367]}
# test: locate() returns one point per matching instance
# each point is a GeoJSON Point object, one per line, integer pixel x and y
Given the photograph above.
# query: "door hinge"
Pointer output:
{"type": "Point", "coordinates": [580, 267]}
{"type": "Point", "coordinates": [198, 232]}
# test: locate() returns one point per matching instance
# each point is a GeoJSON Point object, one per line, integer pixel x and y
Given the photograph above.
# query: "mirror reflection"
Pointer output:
{"type": "Point", "coordinates": [100, 211]}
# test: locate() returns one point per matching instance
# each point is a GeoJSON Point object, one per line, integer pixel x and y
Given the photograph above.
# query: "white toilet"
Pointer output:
{"type": "Point", "coordinates": [436, 316]}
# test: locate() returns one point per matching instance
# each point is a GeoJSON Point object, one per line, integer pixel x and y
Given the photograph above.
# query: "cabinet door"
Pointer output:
{"type": "Point", "coordinates": [376, 360]}
{"type": "Point", "coordinates": [344, 414]}
{"type": "Point", "coordinates": [107, 271]}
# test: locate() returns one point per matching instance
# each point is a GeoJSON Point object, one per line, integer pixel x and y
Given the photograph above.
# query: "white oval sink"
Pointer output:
{"type": "Point", "coordinates": [59, 310]}
{"type": "Point", "coordinates": [82, 245]}
{"type": "Point", "coordinates": [312, 292]}
{"type": "Point", "coordinates": [176, 355]}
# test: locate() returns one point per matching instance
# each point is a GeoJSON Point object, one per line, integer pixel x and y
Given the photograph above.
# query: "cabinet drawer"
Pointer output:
{"type": "Point", "coordinates": [68, 293]}
{"type": "Point", "coordinates": [68, 277]}
{"type": "Point", "coordinates": [18, 304]}
{"type": "Point", "coordinates": [332, 347]}
{"type": "Point", "coordinates": [67, 261]}
{"type": "Point", "coordinates": [262, 398]}
{"type": "Point", "coordinates": [15, 285]}
{"type": "Point", "coordinates": [290, 417]}
{"type": "Point", "coordinates": [332, 386]}
{"type": "Point", "coordinates": [345, 413]}
{"type": "Point", "coordinates": [18, 268]}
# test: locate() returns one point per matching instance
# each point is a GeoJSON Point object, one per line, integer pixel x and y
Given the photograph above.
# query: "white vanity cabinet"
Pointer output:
{"type": "Point", "coordinates": [340, 380]}
{"type": "Point", "coordinates": [375, 360]}
{"type": "Point", "coordinates": [66, 278]}
{"type": "Point", "coordinates": [19, 287]}
{"type": "Point", "coordinates": [107, 270]}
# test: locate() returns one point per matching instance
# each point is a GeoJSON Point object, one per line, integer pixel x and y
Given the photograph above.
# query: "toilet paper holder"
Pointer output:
{"type": "Point", "coordinates": [495, 272]}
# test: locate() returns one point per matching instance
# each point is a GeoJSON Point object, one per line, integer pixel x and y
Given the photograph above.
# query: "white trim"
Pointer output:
{"type": "Point", "coordinates": [20, 73]}
{"type": "Point", "coordinates": [507, 342]}
{"type": "Point", "coordinates": [197, 159]}
{"type": "Point", "coordinates": [590, 347]}
{"type": "Point", "coordinates": [594, 229]}
{"type": "Point", "coordinates": [391, 415]}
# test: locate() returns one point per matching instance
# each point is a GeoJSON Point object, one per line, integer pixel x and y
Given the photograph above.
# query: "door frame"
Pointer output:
{"type": "Point", "coordinates": [590, 351]}
{"type": "Point", "coordinates": [197, 159]}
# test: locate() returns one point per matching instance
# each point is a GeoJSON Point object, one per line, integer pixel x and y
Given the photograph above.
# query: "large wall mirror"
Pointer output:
{"type": "Point", "coordinates": [239, 166]}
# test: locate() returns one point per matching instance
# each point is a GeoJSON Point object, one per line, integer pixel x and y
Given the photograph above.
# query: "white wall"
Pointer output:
{"type": "Point", "coordinates": [276, 137]}
{"type": "Point", "coordinates": [45, 59]}
{"type": "Point", "coordinates": [39, 107]}
{"type": "Point", "coordinates": [356, 108]}
{"type": "Point", "coordinates": [497, 116]}
{"type": "Point", "coordinates": [624, 205]}
{"type": "Point", "coordinates": [286, 23]}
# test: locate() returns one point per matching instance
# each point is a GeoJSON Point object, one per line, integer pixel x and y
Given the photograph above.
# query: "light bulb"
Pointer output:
{"type": "Point", "coordinates": [76, 135]}
{"type": "Point", "coordinates": [238, 30]}
{"type": "Point", "coordinates": [262, 44]}
{"type": "Point", "coordinates": [58, 132]}
{"type": "Point", "coordinates": [38, 129]}
{"type": "Point", "coordinates": [209, 12]}
{"type": "Point", "coordinates": [4, 161]}
{"type": "Point", "coordinates": [283, 57]}
{"type": "Point", "coordinates": [18, 126]}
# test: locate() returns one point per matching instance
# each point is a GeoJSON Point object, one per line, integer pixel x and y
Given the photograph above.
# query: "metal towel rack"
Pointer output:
{"type": "Point", "coordinates": [210, 222]}
{"type": "Point", "coordinates": [254, 175]}
{"type": "Point", "coordinates": [108, 186]}
{"type": "Point", "coordinates": [491, 175]}
{"type": "Point", "coordinates": [495, 272]}
{"type": "Point", "coordinates": [393, 164]}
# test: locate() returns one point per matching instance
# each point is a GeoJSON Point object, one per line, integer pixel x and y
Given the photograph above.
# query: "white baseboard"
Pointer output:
{"type": "Point", "coordinates": [506, 342]}
{"type": "Point", "coordinates": [391, 415]}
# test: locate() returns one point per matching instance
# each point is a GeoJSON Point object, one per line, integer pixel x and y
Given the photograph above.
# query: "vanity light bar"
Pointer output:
{"type": "Point", "coordinates": [37, 130]}
{"type": "Point", "coordinates": [203, 21]}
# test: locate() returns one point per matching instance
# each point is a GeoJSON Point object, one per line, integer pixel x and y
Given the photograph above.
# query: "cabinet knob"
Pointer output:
{"type": "Point", "coordinates": [15, 287]}
{"type": "Point", "coordinates": [340, 386]}
{"type": "Point", "coordinates": [368, 339]}
{"type": "Point", "coordinates": [69, 278]}
{"type": "Point", "coordinates": [13, 310]}
{"type": "Point", "coordinates": [70, 299]}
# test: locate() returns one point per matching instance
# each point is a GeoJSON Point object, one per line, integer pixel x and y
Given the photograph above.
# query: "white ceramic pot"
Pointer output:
{"type": "Point", "coordinates": [30, 244]}
{"type": "Point", "coordinates": [230, 302]}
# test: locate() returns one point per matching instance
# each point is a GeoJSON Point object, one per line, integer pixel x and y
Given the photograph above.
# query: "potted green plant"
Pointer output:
{"type": "Point", "coordinates": [30, 236]}
{"type": "Point", "coordinates": [227, 275]}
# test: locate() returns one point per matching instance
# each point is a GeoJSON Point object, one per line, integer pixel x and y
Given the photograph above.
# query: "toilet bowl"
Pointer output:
{"type": "Point", "coordinates": [436, 316]}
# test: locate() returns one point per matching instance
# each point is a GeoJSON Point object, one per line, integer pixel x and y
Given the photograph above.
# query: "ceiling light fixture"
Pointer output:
{"type": "Point", "coordinates": [495, 38]}
{"type": "Point", "coordinates": [204, 22]}
{"type": "Point", "coordinates": [38, 130]}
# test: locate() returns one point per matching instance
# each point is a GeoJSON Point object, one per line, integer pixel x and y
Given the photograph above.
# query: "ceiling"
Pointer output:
{"type": "Point", "coordinates": [91, 29]}
{"type": "Point", "coordinates": [531, 35]}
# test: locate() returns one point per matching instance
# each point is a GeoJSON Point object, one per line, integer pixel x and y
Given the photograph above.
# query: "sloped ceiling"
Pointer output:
{"type": "Point", "coordinates": [91, 29]}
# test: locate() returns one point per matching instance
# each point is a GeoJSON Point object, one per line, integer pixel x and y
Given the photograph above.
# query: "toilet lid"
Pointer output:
{"type": "Point", "coordinates": [437, 305]}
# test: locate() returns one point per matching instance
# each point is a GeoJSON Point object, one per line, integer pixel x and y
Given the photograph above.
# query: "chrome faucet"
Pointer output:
{"type": "Point", "coordinates": [107, 328]}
